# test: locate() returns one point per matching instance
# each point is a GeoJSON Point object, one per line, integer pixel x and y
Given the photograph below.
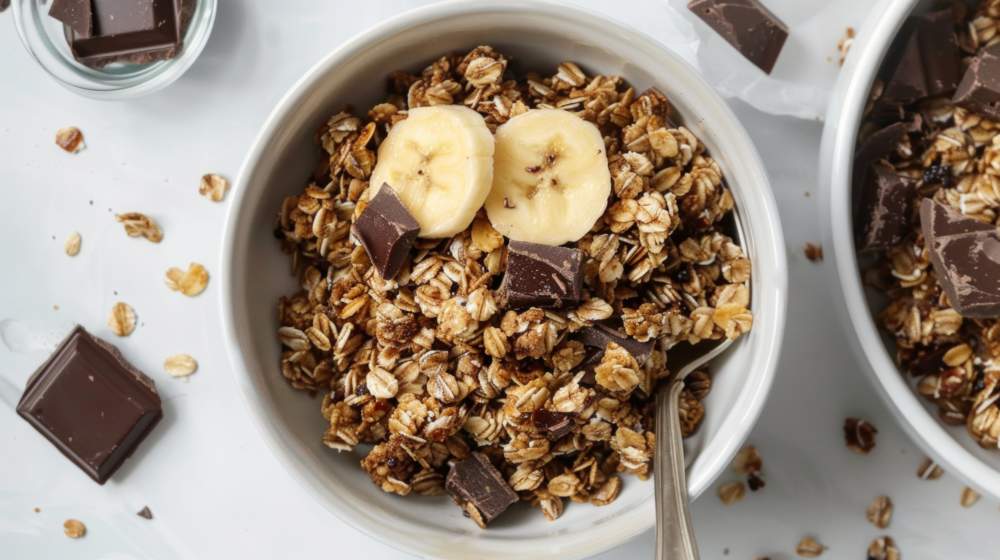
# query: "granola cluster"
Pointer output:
{"type": "Point", "coordinates": [429, 367]}
{"type": "Point", "coordinates": [953, 156]}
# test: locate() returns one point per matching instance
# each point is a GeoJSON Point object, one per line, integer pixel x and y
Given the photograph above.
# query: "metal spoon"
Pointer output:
{"type": "Point", "coordinates": [674, 535]}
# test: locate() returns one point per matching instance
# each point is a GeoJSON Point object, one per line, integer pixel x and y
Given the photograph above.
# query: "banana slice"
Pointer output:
{"type": "Point", "coordinates": [550, 177]}
{"type": "Point", "coordinates": [440, 163]}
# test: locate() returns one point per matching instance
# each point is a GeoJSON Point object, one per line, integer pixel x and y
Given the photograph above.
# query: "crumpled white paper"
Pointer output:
{"type": "Point", "coordinates": [806, 71]}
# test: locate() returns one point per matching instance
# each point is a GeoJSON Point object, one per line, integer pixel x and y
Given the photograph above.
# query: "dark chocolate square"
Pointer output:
{"type": "Point", "coordinates": [541, 275]}
{"type": "Point", "coordinates": [91, 404]}
{"type": "Point", "coordinates": [386, 230]}
{"type": "Point", "coordinates": [747, 25]}
{"type": "Point", "coordinates": [136, 31]}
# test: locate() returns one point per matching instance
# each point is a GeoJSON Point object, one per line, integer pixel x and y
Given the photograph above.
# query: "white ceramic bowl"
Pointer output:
{"type": "Point", "coordinates": [254, 272]}
{"type": "Point", "coordinates": [950, 446]}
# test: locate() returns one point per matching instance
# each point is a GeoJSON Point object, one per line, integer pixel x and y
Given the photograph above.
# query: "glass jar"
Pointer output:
{"type": "Point", "coordinates": [45, 38]}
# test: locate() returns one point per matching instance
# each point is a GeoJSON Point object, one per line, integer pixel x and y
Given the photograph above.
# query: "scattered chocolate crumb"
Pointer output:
{"type": "Point", "coordinates": [145, 513]}
{"type": "Point", "coordinates": [37, 509]}
{"type": "Point", "coordinates": [755, 482]}
{"type": "Point", "coordinates": [813, 252]}
{"type": "Point", "coordinates": [859, 435]}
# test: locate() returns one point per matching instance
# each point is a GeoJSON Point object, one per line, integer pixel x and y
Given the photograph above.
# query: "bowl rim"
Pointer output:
{"type": "Point", "coordinates": [839, 138]}
{"type": "Point", "coordinates": [753, 394]}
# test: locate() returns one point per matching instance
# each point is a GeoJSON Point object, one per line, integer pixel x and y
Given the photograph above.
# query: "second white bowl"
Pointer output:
{"type": "Point", "coordinates": [538, 35]}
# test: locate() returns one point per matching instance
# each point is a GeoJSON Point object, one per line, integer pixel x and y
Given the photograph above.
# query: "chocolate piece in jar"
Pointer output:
{"type": "Point", "coordinates": [89, 402]}
{"type": "Point", "coordinates": [747, 25]}
{"type": "Point", "coordinates": [476, 482]}
{"type": "Point", "coordinates": [879, 145]}
{"type": "Point", "coordinates": [542, 275]}
{"type": "Point", "coordinates": [979, 90]}
{"type": "Point", "coordinates": [135, 31]}
{"type": "Point", "coordinates": [387, 231]}
{"type": "Point", "coordinates": [885, 217]}
{"type": "Point", "coordinates": [965, 254]}
{"type": "Point", "coordinates": [75, 14]}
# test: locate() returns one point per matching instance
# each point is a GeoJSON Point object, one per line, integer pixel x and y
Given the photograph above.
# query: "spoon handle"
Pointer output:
{"type": "Point", "coordinates": [674, 535]}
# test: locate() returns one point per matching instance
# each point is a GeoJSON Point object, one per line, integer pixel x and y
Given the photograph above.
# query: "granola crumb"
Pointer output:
{"type": "Point", "coordinates": [214, 187]}
{"type": "Point", "coordinates": [140, 225]}
{"type": "Point", "coordinates": [813, 252]}
{"type": "Point", "coordinates": [808, 547]}
{"type": "Point", "coordinates": [929, 470]}
{"type": "Point", "coordinates": [884, 548]}
{"type": "Point", "coordinates": [180, 365]}
{"type": "Point", "coordinates": [70, 139]}
{"type": "Point", "coordinates": [72, 245]}
{"type": "Point", "coordinates": [879, 512]}
{"type": "Point", "coordinates": [74, 528]}
{"type": "Point", "coordinates": [145, 513]}
{"type": "Point", "coordinates": [859, 435]}
{"type": "Point", "coordinates": [191, 282]}
{"type": "Point", "coordinates": [122, 319]}
{"type": "Point", "coordinates": [844, 45]}
{"type": "Point", "coordinates": [731, 492]}
{"type": "Point", "coordinates": [969, 497]}
{"type": "Point", "coordinates": [36, 509]}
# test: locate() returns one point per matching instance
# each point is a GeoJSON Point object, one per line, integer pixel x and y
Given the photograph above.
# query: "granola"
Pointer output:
{"type": "Point", "coordinates": [949, 153]}
{"type": "Point", "coordinates": [429, 366]}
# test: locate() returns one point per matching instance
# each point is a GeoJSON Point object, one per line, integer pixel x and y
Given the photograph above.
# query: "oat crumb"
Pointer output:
{"type": "Point", "coordinates": [74, 528]}
{"type": "Point", "coordinates": [72, 245]}
{"type": "Point", "coordinates": [70, 139]}
{"type": "Point", "coordinates": [808, 547]}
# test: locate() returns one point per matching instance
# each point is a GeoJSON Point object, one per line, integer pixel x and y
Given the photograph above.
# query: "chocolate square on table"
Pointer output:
{"type": "Point", "coordinates": [90, 403]}
{"type": "Point", "coordinates": [979, 90]}
{"type": "Point", "coordinates": [748, 26]}
{"type": "Point", "coordinates": [888, 207]}
{"type": "Point", "coordinates": [542, 275]}
{"type": "Point", "coordinates": [965, 254]}
{"type": "Point", "coordinates": [386, 230]}
{"type": "Point", "coordinates": [136, 31]}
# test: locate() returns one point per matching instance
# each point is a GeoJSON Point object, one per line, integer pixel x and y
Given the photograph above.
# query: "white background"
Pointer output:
{"type": "Point", "coordinates": [213, 486]}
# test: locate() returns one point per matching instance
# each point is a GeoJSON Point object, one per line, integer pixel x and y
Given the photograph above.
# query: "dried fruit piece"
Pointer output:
{"type": "Point", "coordinates": [813, 252]}
{"type": "Point", "coordinates": [808, 547]}
{"type": "Point", "coordinates": [180, 365]}
{"type": "Point", "coordinates": [70, 139]}
{"type": "Point", "coordinates": [731, 492]}
{"type": "Point", "coordinates": [122, 319]}
{"type": "Point", "coordinates": [138, 224]}
{"type": "Point", "coordinates": [72, 245]}
{"type": "Point", "coordinates": [74, 528]}
{"type": "Point", "coordinates": [859, 435]}
{"type": "Point", "coordinates": [213, 187]}
{"type": "Point", "coordinates": [879, 512]}
{"type": "Point", "coordinates": [191, 282]}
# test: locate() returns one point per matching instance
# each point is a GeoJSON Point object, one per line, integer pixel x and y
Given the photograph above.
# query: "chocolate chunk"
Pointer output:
{"type": "Point", "coordinates": [476, 481]}
{"type": "Point", "coordinates": [541, 275]}
{"type": "Point", "coordinates": [94, 406]}
{"type": "Point", "coordinates": [747, 25]}
{"type": "Point", "coordinates": [135, 31]}
{"type": "Point", "coordinates": [966, 258]}
{"type": "Point", "coordinates": [929, 62]}
{"type": "Point", "coordinates": [75, 14]}
{"type": "Point", "coordinates": [885, 219]}
{"type": "Point", "coordinates": [877, 146]}
{"type": "Point", "coordinates": [979, 90]}
{"type": "Point", "coordinates": [145, 513]}
{"type": "Point", "coordinates": [555, 424]}
{"type": "Point", "coordinates": [386, 230]}
{"type": "Point", "coordinates": [599, 335]}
